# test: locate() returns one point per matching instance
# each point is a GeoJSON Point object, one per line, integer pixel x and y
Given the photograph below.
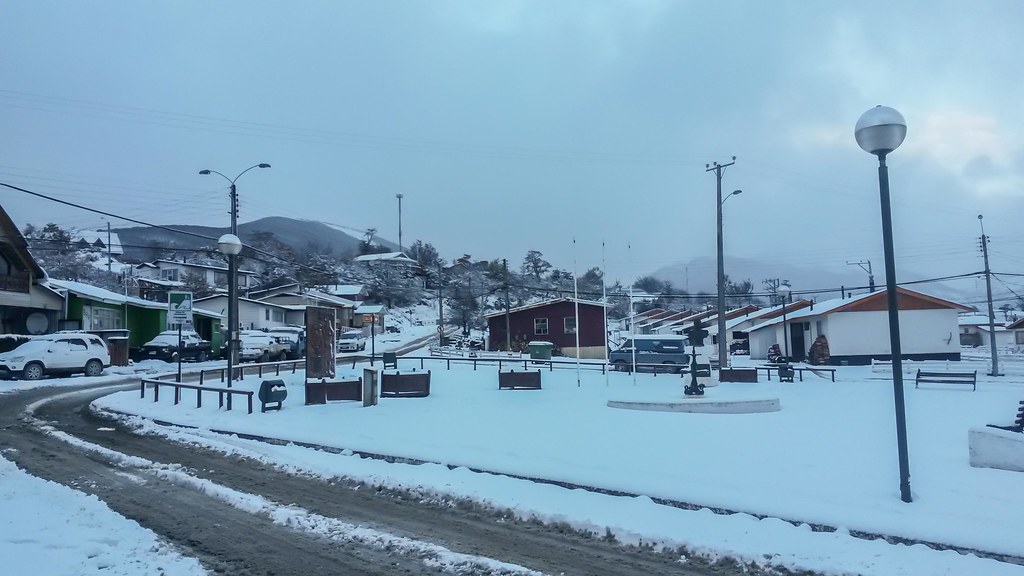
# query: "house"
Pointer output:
{"type": "Point", "coordinates": [107, 313]}
{"type": "Point", "coordinates": [552, 321]}
{"type": "Point", "coordinates": [354, 292]}
{"type": "Point", "coordinates": [298, 299]}
{"type": "Point", "coordinates": [27, 305]}
{"type": "Point", "coordinates": [974, 331]}
{"type": "Point", "coordinates": [175, 271]}
{"type": "Point", "coordinates": [711, 323]}
{"type": "Point", "coordinates": [255, 314]}
{"type": "Point", "coordinates": [98, 240]}
{"type": "Point", "coordinates": [372, 315]}
{"type": "Point", "coordinates": [1017, 329]}
{"type": "Point", "coordinates": [391, 258]}
{"type": "Point", "coordinates": [857, 328]}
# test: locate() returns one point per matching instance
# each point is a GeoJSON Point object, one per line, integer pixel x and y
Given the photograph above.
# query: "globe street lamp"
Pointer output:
{"type": "Point", "coordinates": [784, 291]}
{"type": "Point", "coordinates": [879, 131]}
{"type": "Point", "coordinates": [230, 246]}
{"type": "Point", "coordinates": [232, 265]}
{"type": "Point", "coordinates": [723, 340]}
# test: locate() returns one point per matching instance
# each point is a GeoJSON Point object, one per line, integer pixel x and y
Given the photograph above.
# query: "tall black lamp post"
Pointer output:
{"type": "Point", "coordinates": [230, 246]}
{"type": "Point", "coordinates": [879, 131]}
{"type": "Point", "coordinates": [785, 290]}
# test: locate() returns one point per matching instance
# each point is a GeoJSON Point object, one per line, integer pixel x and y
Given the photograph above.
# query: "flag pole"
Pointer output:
{"type": "Point", "coordinates": [576, 303]}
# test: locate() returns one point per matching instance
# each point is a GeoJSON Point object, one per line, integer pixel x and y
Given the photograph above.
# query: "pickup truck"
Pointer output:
{"type": "Point", "coordinates": [165, 347]}
{"type": "Point", "coordinates": [262, 347]}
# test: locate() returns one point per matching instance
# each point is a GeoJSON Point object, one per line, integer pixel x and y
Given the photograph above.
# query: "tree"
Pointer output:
{"type": "Point", "coordinates": [741, 292]}
{"type": "Point", "coordinates": [195, 282]}
{"type": "Point", "coordinates": [535, 265]}
{"type": "Point", "coordinates": [771, 286]}
{"type": "Point", "coordinates": [54, 249]}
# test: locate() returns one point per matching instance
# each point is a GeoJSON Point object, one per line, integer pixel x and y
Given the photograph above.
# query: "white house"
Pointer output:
{"type": "Point", "coordinates": [255, 314]}
{"type": "Point", "coordinates": [27, 305]}
{"type": "Point", "coordinates": [1017, 329]}
{"type": "Point", "coordinates": [344, 309]}
{"type": "Point", "coordinates": [974, 331]}
{"type": "Point", "coordinates": [174, 271]}
{"type": "Point", "coordinates": [857, 329]}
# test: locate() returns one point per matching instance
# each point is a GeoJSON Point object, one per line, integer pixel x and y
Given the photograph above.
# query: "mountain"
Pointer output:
{"type": "Point", "coordinates": [700, 275]}
{"type": "Point", "coordinates": [297, 234]}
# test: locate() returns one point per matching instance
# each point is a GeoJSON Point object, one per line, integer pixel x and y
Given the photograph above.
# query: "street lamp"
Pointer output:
{"type": "Point", "coordinates": [400, 196]}
{"type": "Point", "coordinates": [230, 246]}
{"type": "Point", "coordinates": [723, 341]}
{"type": "Point", "coordinates": [879, 131]}
{"type": "Point", "coordinates": [233, 264]}
{"type": "Point", "coordinates": [784, 291]}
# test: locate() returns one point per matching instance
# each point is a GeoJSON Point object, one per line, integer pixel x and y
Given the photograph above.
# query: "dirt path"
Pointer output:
{"type": "Point", "coordinates": [230, 541]}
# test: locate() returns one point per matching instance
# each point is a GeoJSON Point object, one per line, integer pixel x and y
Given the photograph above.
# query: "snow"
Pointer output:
{"type": "Point", "coordinates": [102, 295]}
{"type": "Point", "coordinates": [828, 457]}
{"type": "Point", "coordinates": [49, 529]}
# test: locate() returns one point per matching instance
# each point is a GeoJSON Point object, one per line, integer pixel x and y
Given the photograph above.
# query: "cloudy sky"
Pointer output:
{"type": "Point", "coordinates": [512, 126]}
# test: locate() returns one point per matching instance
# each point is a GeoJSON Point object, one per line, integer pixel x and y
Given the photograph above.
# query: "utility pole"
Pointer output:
{"type": "Point", "coordinates": [236, 343]}
{"type": "Point", "coordinates": [108, 247]}
{"type": "Point", "coordinates": [988, 289]}
{"type": "Point", "coordinates": [508, 311]}
{"type": "Point", "coordinates": [440, 306]}
{"type": "Point", "coordinates": [400, 196]}
{"type": "Point", "coordinates": [723, 344]}
{"type": "Point", "coordinates": [871, 277]}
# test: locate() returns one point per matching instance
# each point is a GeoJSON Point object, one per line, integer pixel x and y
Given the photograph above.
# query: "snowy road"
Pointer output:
{"type": "Point", "coordinates": [240, 516]}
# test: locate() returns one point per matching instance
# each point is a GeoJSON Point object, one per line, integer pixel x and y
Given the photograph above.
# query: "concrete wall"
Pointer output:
{"type": "Point", "coordinates": [867, 333]}
{"type": "Point", "coordinates": [994, 448]}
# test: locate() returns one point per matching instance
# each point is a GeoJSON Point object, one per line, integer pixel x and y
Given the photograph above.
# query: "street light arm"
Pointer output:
{"type": "Point", "coordinates": [205, 172]}
{"type": "Point", "coordinates": [260, 165]}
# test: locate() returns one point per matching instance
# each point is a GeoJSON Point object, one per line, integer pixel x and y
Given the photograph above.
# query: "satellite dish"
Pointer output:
{"type": "Point", "coordinates": [37, 323]}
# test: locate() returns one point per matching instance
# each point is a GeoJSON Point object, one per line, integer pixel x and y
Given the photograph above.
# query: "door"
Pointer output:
{"type": "Point", "coordinates": [798, 352]}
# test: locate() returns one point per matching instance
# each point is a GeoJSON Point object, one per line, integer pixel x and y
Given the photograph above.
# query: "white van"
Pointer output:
{"type": "Point", "coordinates": [60, 353]}
{"type": "Point", "coordinates": [352, 341]}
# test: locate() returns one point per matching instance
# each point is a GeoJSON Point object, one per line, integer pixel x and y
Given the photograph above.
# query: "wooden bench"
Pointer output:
{"type": "Point", "coordinates": [409, 385]}
{"type": "Point", "coordinates": [513, 380]}
{"type": "Point", "coordinates": [272, 392]}
{"type": "Point", "coordinates": [323, 391]}
{"type": "Point", "coordinates": [737, 375]}
{"type": "Point", "coordinates": [1018, 424]}
{"type": "Point", "coordinates": [947, 378]}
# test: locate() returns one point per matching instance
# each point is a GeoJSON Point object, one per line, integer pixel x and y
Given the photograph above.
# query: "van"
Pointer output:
{"type": "Point", "coordinates": [665, 349]}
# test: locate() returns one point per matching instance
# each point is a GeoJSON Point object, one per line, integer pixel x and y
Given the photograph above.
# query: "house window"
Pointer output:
{"type": "Point", "coordinates": [169, 274]}
{"type": "Point", "coordinates": [569, 325]}
{"type": "Point", "coordinates": [278, 315]}
{"type": "Point", "coordinates": [266, 312]}
{"type": "Point", "coordinates": [540, 326]}
{"type": "Point", "coordinates": [107, 319]}
{"type": "Point", "coordinates": [1019, 335]}
{"type": "Point", "coordinates": [220, 278]}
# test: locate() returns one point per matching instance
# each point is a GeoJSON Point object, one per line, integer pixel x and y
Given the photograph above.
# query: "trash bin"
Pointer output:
{"type": "Point", "coordinates": [118, 347]}
{"type": "Point", "coordinates": [540, 350]}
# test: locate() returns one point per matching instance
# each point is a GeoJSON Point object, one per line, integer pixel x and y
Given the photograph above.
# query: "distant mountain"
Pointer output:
{"type": "Point", "coordinates": [700, 275]}
{"type": "Point", "coordinates": [297, 234]}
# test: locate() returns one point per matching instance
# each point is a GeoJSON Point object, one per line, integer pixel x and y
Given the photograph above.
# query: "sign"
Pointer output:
{"type": "Point", "coordinates": [368, 319]}
{"type": "Point", "coordinates": [179, 307]}
{"type": "Point", "coordinates": [321, 342]}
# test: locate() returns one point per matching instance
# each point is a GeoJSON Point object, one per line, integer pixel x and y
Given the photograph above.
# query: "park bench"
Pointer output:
{"type": "Point", "coordinates": [1018, 424]}
{"type": "Point", "coordinates": [737, 375]}
{"type": "Point", "coordinates": [323, 391]}
{"type": "Point", "coordinates": [947, 378]}
{"type": "Point", "coordinates": [409, 385]}
{"type": "Point", "coordinates": [272, 392]}
{"type": "Point", "coordinates": [513, 380]}
{"type": "Point", "coordinates": [390, 360]}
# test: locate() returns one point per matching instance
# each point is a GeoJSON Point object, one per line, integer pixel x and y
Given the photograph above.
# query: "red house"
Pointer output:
{"type": "Point", "coordinates": [552, 321]}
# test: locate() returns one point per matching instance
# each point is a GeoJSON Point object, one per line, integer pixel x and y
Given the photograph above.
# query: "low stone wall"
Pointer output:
{"type": "Point", "coordinates": [994, 448]}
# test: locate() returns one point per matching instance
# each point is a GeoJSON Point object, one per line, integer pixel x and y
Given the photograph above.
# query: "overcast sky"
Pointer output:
{"type": "Point", "coordinates": [512, 126]}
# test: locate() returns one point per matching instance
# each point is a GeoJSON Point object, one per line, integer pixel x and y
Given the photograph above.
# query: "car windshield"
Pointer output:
{"type": "Point", "coordinates": [31, 346]}
{"type": "Point", "coordinates": [252, 339]}
{"type": "Point", "coordinates": [165, 339]}
{"type": "Point", "coordinates": [351, 335]}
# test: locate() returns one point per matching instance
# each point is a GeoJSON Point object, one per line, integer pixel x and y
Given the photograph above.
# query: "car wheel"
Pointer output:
{"type": "Point", "coordinates": [282, 356]}
{"type": "Point", "coordinates": [201, 357]}
{"type": "Point", "coordinates": [670, 367]}
{"type": "Point", "coordinates": [619, 365]}
{"type": "Point", "coordinates": [93, 368]}
{"type": "Point", "coordinates": [265, 357]}
{"type": "Point", "coordinates": [33, 371]}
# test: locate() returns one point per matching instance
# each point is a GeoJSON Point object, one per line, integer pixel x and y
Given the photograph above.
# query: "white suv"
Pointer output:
{"type": "Point", "coordinates": [61, 353]}
{"type": "Point", "coordinates": [352, 341]}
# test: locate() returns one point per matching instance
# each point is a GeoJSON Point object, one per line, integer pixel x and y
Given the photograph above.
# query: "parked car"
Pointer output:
{"type": "Point", "coordinates": [352, 341]}
{"type": "Point", "coordinates": [60, 353]}
{"type": "Point", "coordinates": [165, 347]}
{"type": "Point", "coordinates": [667, 350]}
{"type": "Point", "coordinates": [296, 338]}
{"type": "Point", "coordinates": [262, 347]}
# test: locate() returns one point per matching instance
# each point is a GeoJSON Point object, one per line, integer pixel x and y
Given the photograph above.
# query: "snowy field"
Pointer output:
{"type": "Point", "coordinates": [48, 529]}
{"type": "Point", "coordinates": [828, 457]}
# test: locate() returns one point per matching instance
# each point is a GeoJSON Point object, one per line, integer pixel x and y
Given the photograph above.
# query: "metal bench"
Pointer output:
{"type": "Point", "coordinates": [272, 392]}
{"type": "Point", "coordinates": [947, 378]}
{"type": "Point", "coordinates": [513, 380]}
{"type": "Point", "coordinates": [1018, 424]}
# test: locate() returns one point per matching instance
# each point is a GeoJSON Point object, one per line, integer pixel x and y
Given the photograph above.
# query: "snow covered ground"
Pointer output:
{"type": "Point", "coordinates": [828, 457]}
{"type": "Point", "coordinates": [49, 529]}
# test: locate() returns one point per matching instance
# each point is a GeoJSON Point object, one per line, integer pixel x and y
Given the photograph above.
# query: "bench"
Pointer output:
{"type": "Point", "coordinates": [737, 375]}
{"type": "Point", "coordinates": [390, 360]}
{"type": "Point", "coordinates": [1018, 424]}
{"type": "Point", "coordinates": [799, 370]}
{"type": "Point", "coordinates": [410, 385]}
{"type": "Point", "coordinates": [947, 378]}
{"type": "Point", "coordinates": [272, 392]}
{"type": "Point", "coordinates": [321, 392]}
{"type": "Point", "coordinates": [513, 380]}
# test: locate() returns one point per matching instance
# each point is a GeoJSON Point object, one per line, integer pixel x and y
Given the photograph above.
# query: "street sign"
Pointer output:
{"type": "Point", "coordinates": [179, 307]}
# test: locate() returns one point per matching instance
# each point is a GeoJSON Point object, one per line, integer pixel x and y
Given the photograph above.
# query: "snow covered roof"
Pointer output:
{"type": "Point", "coordinates": [371, 309]}
{"type": "Point", "coordinates": [325, 297]}
{"type": "Point", "coordinates": [241, 299]}
{"type": "Point", "coordinates": [203, 266]}
{"type": "Point", "coordinates": [396, 257]}
{"type": "Point", "coordinates": [205, 312]}
{"type": "Point", "coordinates": [974, 320]}
{"type": "Point", "coordinates": [161, 282]}
{"type": "Point", "coordinates": [98, 238]}
{"type": "Point", "coordinates": [103, 295]}
{"type": "Point", "coordinates": [115, 266]}
{"type": "Point", "coordinates": [345, 289]}
{"type": "Point", "coordinates": [729, 324]}
{"type": "Point", "coordinates": [1016, 325]}
{"type": "Point", "coordinates": [544, 303]}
